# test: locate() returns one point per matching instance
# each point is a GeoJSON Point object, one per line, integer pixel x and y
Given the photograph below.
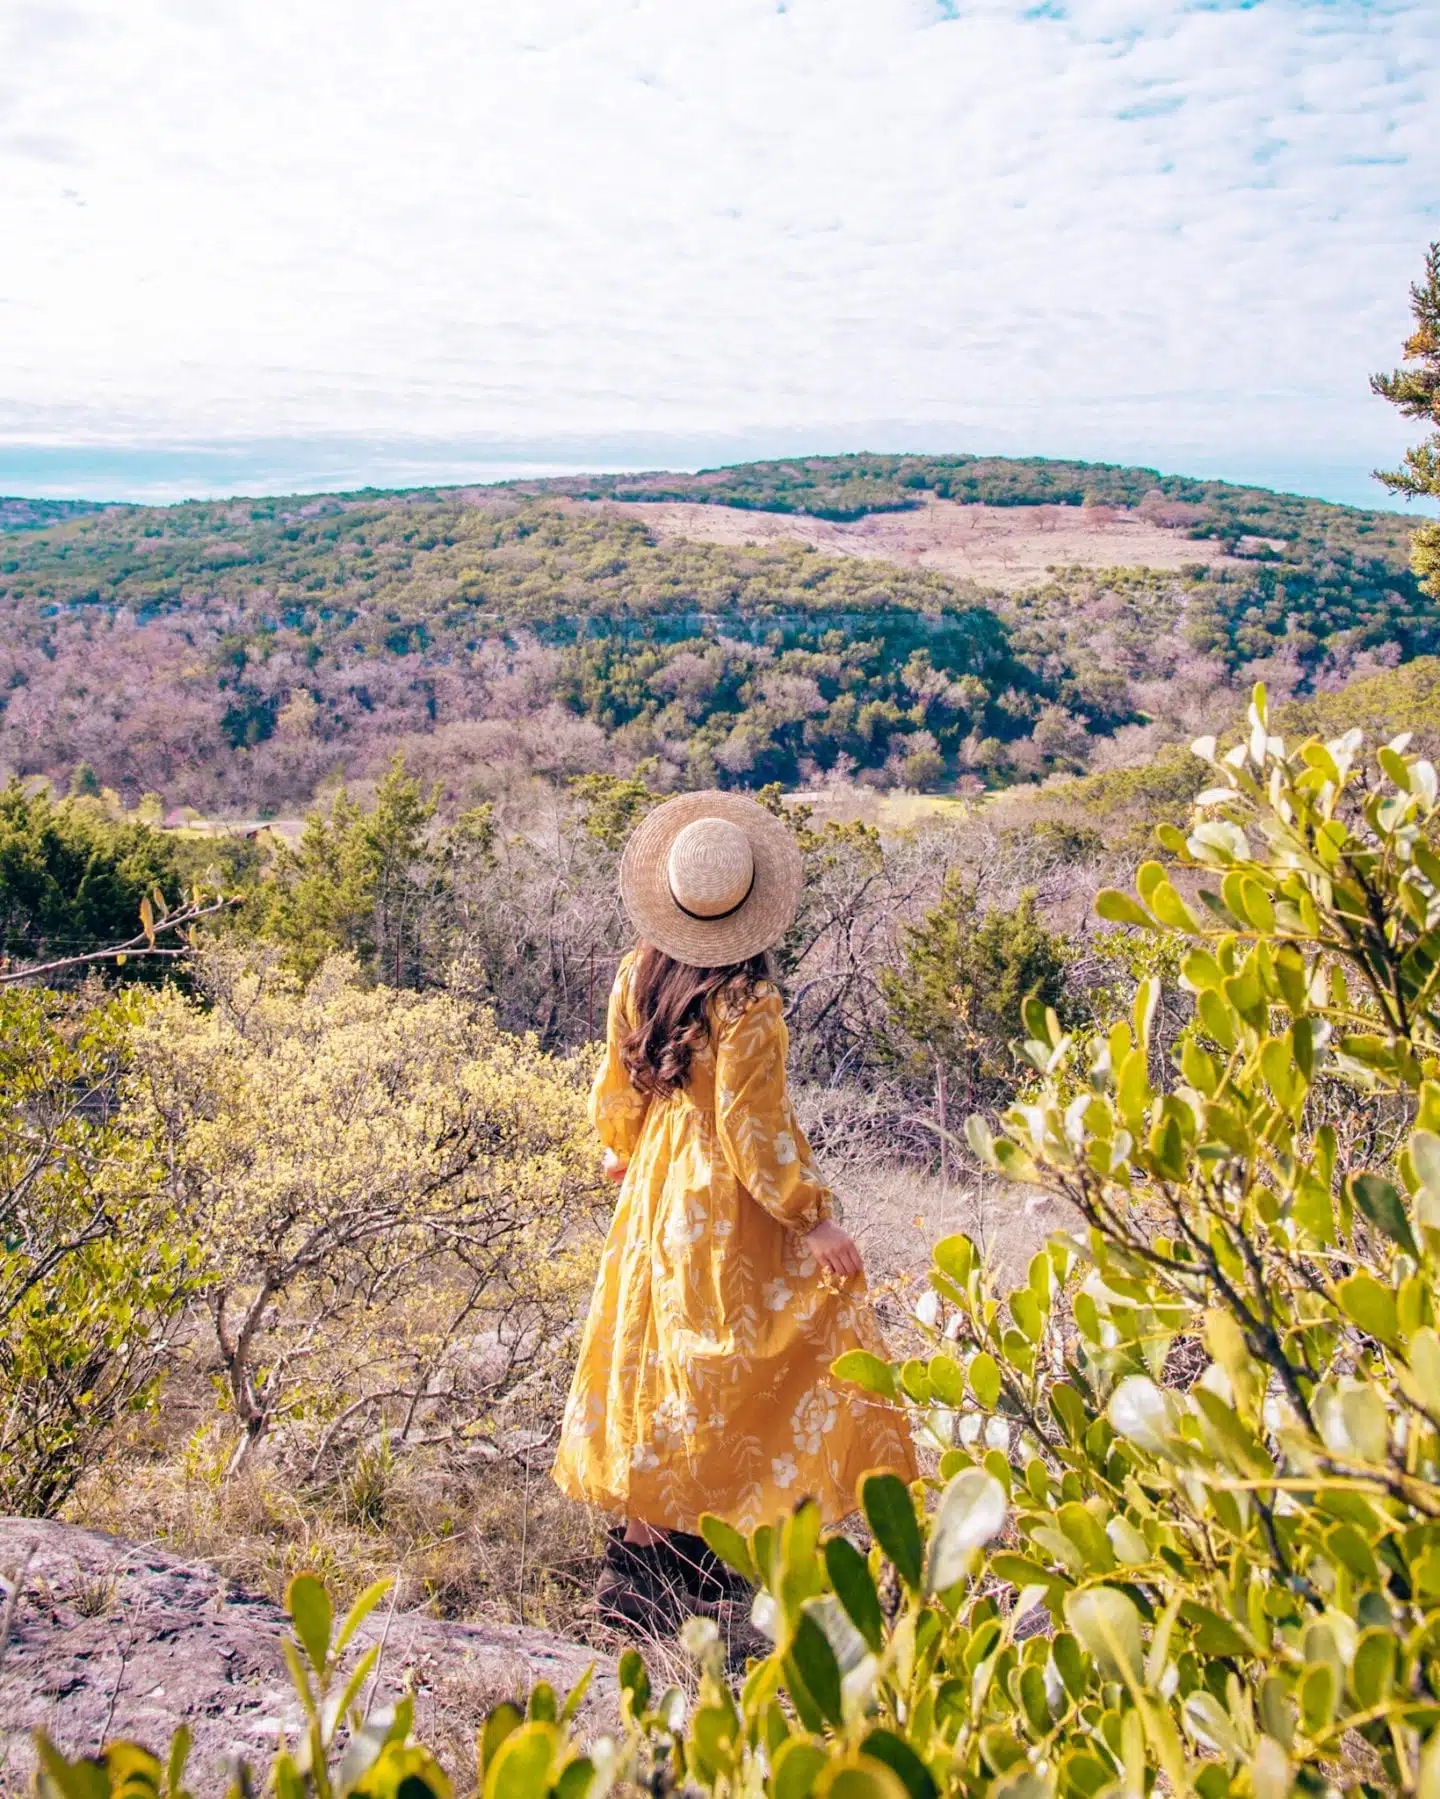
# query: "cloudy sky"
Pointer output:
{"type": "Point", "coordinates": [294, 242]}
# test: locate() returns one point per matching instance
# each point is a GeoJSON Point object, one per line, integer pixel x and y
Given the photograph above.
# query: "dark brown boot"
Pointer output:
{"type": "Point", "coordinates": [704, 1575]}
{"type": "Point", "coordinates": [640, 1588]}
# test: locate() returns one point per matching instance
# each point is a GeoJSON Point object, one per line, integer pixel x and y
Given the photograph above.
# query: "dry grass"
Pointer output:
{"type": "Point", "coordinates": [1009, 547]}
{"type": "Point", "coordinates": [471, 1536]}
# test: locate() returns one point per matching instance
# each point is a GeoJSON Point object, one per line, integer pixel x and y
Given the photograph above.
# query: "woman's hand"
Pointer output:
{"type": "Point", "coordinates": [612, 1167]}
{"type": "Point", "coordinates": [834, 1250]}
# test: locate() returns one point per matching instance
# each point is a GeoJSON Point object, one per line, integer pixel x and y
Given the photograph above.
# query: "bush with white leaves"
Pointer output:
{"type": "Point", "coordinates": [1224, 1429]}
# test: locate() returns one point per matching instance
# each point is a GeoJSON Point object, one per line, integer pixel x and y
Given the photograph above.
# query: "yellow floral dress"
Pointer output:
{"type": "Point", "coordinates": [704, 1378]}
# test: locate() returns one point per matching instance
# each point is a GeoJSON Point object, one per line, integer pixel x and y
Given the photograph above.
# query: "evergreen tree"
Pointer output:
{"type": "Point", "coordinates": [72, 878]}
{"type": "Point", "coordinates": [615, 804]}
{"type": "Point", "coordinates": [362, 882]}
{"type": "Point", "coordinates": [1415, 389]}
{"type": "Point", "coordinates": [959, 996]}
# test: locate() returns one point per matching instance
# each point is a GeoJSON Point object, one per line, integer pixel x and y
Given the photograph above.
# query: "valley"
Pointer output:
{"type": "Point", "coordinates": [944, 625]}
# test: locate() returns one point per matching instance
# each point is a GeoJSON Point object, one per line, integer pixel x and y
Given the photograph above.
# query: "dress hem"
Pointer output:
{"type": "Point", "coordinates": [835, 1504]}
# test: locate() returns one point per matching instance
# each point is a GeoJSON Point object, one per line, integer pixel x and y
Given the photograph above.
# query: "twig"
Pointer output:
{"type": "Point", "coordinates": [524, 1536]}
{"type": "Point", "coordinates": [141, 945]}
{"type": "Point", "coordinates": [7, 1617]}
{"type": "Point", "coordinates": [126, 1647]}
{"type": "Point", "coordinates": [384, 1640]}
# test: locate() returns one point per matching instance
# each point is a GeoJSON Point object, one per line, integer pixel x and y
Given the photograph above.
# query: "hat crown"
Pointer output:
{"type": "Point", "coordinates": [711, 867]}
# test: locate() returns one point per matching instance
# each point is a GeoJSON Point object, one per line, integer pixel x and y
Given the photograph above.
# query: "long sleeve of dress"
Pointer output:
{"type": "Point", "coordinates": [617, 1111]}
{"type": "Point", "coordinates": [759, 1135]}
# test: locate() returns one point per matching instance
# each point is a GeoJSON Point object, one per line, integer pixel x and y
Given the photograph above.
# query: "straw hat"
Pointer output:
{"type": "Point", "coordinates": [710, 878]}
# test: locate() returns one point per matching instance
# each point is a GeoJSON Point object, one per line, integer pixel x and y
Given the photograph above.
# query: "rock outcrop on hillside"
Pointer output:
{"type": "Point", "coordinates": [113, 1639]}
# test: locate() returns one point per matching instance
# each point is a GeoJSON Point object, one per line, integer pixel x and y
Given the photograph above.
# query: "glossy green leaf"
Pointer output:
{"type": "Point", "coordinates": [1117, 907]}
{"type": "Point", "coordinates": [575, 1779]}
{"type": "Point", "coordinates": [865, 1370]}
{"type": "Point", "coordinates": [1372, 1673]}
{"type": "Point", "coordinates": [1108, 1627]}
{"type": "Point", "coordinates": [522, 1764]}
{"type": "Point", "coordinates": [865, 1778]}
{"type": "Point", "coordinates": [543, 1704]}
{"type": "Point", "coordinates": [1317, 1698]}
{"type": "Point", "coordinates": [890, 1513]}
{"type": "Point", "coordinates": [955, 1256]}
{"type": "Point", "coordinates": [175, 1762]}
{"type": "Point", "coordinates": [798, 1766]}
{"type": "Point", "coordinates": [1370, 1306]}
{"type": "Point", "coordinates": [1383, 1206]}
{"type": "Point", "coordinates": [947, 1378]}
{"type": "Point", "coordinates": [731, 1547]}
{"type": "Point", "coordinates": [575, 1698]}
{"type": "Point", "coordinates": [634, 1681]}
{"type": "Point", "coordinates": [902, 1761]}
{"type": "Point", "coordinates": [501, 1722]}
{"type": "Point", "coordinates": [984, 1376]}
{"type": "Point", "coordinates": [849, 1574]}
{"type": "Point", "coordinates": [971, 1514]}
{"type": "Point", "coordinates": [812, 1654]}
{"type": "Point", "coordinates": [308, 1604]}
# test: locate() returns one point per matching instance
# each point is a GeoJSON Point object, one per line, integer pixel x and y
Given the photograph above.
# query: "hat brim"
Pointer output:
{"type": "Point", "coordinates": [762, 918]}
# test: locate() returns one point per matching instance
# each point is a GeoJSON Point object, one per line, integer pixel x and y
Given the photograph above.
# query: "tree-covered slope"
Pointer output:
{"type": "Point", "coordinates": [236, 654]}
{"type": "Point", "coordinates": [848, 487]}
{"type": "Point", "coordinates": [18, 514]}
{"type": "Point", "coordinates": [242, 652]}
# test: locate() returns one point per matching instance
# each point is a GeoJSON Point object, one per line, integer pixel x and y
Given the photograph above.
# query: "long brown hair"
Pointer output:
{"type": "Point", "coordinates": [670, 1003]}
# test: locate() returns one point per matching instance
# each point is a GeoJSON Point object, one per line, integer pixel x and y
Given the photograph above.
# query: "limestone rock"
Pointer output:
{"type": "Point", "coordinates": [113, 1639]}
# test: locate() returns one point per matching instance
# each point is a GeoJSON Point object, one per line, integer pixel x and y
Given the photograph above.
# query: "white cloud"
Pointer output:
{"type": "Point", "coordinates": [1102, 226]}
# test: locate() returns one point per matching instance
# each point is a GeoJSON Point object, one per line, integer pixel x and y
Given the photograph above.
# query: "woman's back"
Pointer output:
{"type": "Point", "coordinates": [741, 1125]}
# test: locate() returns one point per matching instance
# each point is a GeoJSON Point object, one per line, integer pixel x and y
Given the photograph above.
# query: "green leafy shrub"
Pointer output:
{"type": "Point", "coordinates": [362, 883]}
{"type": "Point", "coordinates": [72, 878]}
{"type": "Point", "coordinates": [92, 1268]}
{"type": "Point", "coordinates": [957, 997]}
{"type": "Point", "coordinates": [348, 1744]}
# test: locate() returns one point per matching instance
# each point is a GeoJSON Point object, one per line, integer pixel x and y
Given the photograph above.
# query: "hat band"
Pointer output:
{"type": "Point", "coordinates": [712, 917]}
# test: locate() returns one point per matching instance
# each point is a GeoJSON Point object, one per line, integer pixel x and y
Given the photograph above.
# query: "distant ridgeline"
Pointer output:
{"type": "Point", "coordinates": [849, 487]}
{"type": "Point", "coordinates": [236, 654]}
{"type": "Point", "coordinates": [32, 515]}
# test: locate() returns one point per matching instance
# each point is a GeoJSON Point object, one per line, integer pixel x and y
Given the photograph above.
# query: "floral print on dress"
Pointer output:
{"type": "Point", "coordinates": [703, 1381]}
{"type": "Point", "coordinates": [685, 1226]}
{"type": "Point", "coordinates": [814, 1420]}
{"type": "Point", "coordinates": [674, 1422]}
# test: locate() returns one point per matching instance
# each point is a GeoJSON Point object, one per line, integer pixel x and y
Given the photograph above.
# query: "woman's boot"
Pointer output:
{"type": "Point", "coordinates": [641, 1587]}
{"type": "Point", "coordinates": [704, 1576]}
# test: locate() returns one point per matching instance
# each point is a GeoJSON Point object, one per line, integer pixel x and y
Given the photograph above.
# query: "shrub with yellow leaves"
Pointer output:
{"type": "Point", "coordinates": [393, 1198]}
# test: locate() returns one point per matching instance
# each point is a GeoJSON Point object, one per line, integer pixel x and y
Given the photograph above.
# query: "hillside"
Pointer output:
{"type": "Point", "coordinates": [236, 655]}
{"type": "Point", "coordinates": [851, 487]}
{"type": "Point", "coordinates": [1008, 548]}
{"type": "Point", "coordinates": [33, 515]}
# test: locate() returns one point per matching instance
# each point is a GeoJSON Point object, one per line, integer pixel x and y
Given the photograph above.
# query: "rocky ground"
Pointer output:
{"type": "Point", "coordinates": [112, 1639]}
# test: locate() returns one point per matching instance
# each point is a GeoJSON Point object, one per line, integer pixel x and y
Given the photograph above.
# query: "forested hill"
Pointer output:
{"type": "Point", "coordinates": [850, 487]}
{"type": "Point", "coordinates": [32, 515]}
{"type": "Point", "coordinates": [237, 655]}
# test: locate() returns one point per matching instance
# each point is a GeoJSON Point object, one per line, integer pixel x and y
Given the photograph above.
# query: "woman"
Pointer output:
{"type": "Point", "coordinates": [726, 1289]}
